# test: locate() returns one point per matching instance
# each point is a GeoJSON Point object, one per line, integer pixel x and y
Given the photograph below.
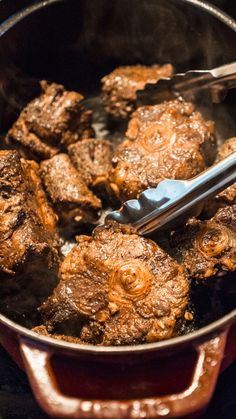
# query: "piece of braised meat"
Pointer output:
{"type": "Point", "coordinates": [117, 288]}
{"type": "Point", "coordinates": [228, 196]}
{"type": "Point", "coordinates": [42, 330]}
{"type": "Point", "coordinates": [41, 205]}
{"type": "Point", "coordinates": [119, 88]}
{"type": "Point", "coordinates": [170, 140]}
{"type": "Point", "coordinates": [92, 158]}
{"type": "Point", "coordinates": [28, 260]}
{"type": "Point", "coordinates": [71, 198]}
{"type": "Point", "coordinates": [50, 123]}
{"type": "Point", "coordinates": [208, 247]}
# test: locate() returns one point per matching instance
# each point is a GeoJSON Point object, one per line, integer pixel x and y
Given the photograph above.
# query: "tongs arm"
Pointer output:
{"type": "Point", "coordinates": [173, 201]}
{"type": "Point", "coordinates": [188, 84]}
{"type": "Point", "coordinates": [198, 80]}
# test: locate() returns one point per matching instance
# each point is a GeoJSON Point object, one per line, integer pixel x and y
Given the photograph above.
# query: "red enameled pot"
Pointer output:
{"type": "Point", "coordinates": [76, 42]}
{"type": "Point", "coordinates": [172, 379]}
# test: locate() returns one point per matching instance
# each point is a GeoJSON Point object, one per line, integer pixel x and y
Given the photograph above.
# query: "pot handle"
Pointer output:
{"type": "Point", "coordinates": [37, 363]}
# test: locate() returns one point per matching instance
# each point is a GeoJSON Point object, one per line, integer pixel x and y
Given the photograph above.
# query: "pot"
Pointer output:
{"type": "Point", "coordinates": [170, 379]}
{"type": "Point", "coordinates": [76, 43]}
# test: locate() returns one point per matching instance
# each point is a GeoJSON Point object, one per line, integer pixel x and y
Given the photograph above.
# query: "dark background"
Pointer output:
{"type": "Point", "coordinates": [228, 5]}
{"type": "Point", "coordinates": [16, 400]}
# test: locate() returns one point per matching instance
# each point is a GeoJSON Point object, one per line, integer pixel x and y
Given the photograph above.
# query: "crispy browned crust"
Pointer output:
{"type": "Point", "coordinates": [44, 210]}
{"type": "Point", "coordinates": [72, 200]}
{"type": "Point", "coordinates": [92, 158]}
{"type": "Point", "coordinates": [117, 288]}
{"type": "Point", "coordinates": [228, 196]}
{"type": "Point", "coordinates": [28, 260]}
{"type": "Point", "coordinates": [206, 248]}
{"type": "Point", "coordinates": [170, 140]}
{"type": "Point", "coordinates": [50, 123]}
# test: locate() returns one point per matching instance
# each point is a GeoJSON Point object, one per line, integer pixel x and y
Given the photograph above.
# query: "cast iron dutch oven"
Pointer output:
{"type": "Point", "coordinates": [77, 42]}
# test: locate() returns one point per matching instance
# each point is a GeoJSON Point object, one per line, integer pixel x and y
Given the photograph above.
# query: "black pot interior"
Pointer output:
{"type": "Point", "coordinates": [77, 42]}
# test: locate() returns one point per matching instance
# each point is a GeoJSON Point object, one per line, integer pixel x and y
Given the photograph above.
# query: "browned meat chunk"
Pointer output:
{"type": "Point", "coordinates": [228, 147]}
{"type": "Point", "coordinates": [170, 140]}
{"type": "Point", "coordinates": [92, 158]}
{"type": "Point", "coordinates": [119, 88]}
{"type": "Point", "coordinates": [28, 261]}
{"type": "Point", "coordinates": [42, 330]}
{"type": "Point", "coordinates": [117, 288]}
{"type": "Point", "coordinates": [228, 196]}
{"type": "Point", "coordinates": [207, 247]}
{"type": "Point", "coordinates": [73, 201]}
{"type": "Point", "coordinates": [50, 123]}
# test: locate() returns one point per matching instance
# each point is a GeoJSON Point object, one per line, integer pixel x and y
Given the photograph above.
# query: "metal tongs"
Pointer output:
{"type": "Point", "coordinates": [187, 85]}
{"type": "Point", "coordinates": [174, 201]}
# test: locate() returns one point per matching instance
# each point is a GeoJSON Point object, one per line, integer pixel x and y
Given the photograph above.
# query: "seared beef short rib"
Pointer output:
{"type": "Point", "coordinates": [228, 196]}
{"type": "Point", "coordinates": [92, 158]}
{"type": "Point", "coordinates": [206, 248]}
{"type": "Point", "coordinates": [119, 88]}
{"type": "Point", "coordinates": [170, 141]}
{"type": "Point", "coordinates": [72, 200]}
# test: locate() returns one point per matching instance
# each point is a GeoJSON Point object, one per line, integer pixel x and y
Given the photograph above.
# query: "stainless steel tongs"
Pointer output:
{"type": "Point", "coordinates": [187, 85]}
{"type": "Point", "coordinates": [174, 201]}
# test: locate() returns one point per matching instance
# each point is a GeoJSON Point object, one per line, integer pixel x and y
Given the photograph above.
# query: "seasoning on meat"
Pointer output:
{"type": "Point", "coordinates": [208, 247]}
{"type": "Point", "coordinates": [42, 207]}
{"type": "Point", "coordinates": [28, 260]}
{"type": "Point", "coordinates": [72, 200]}
{"type": "Point", "coordinates": [117, 288]}
{"type": "Point", "coordinates": [42, 330]}
{"type": "Point", "coordinates": [170, 140]}
{"type": "Point", "coordinates": [92, 158]}
{"type": "Point", "coordinates": [228, 196]}
{"type": "Point", "coordinates": [119, 88]}
{"type": "Point", "coordinates": [50, 123]}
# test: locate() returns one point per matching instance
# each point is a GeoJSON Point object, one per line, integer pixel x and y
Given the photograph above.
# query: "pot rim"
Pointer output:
{"type": "Point", "coordinates": [209, 8]}
{"type": "Point", "coordinates": [203, 332]}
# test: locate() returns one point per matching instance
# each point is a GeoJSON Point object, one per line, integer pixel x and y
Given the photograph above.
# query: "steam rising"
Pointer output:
{"type": "Point", "coordinates": [154, 31]}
